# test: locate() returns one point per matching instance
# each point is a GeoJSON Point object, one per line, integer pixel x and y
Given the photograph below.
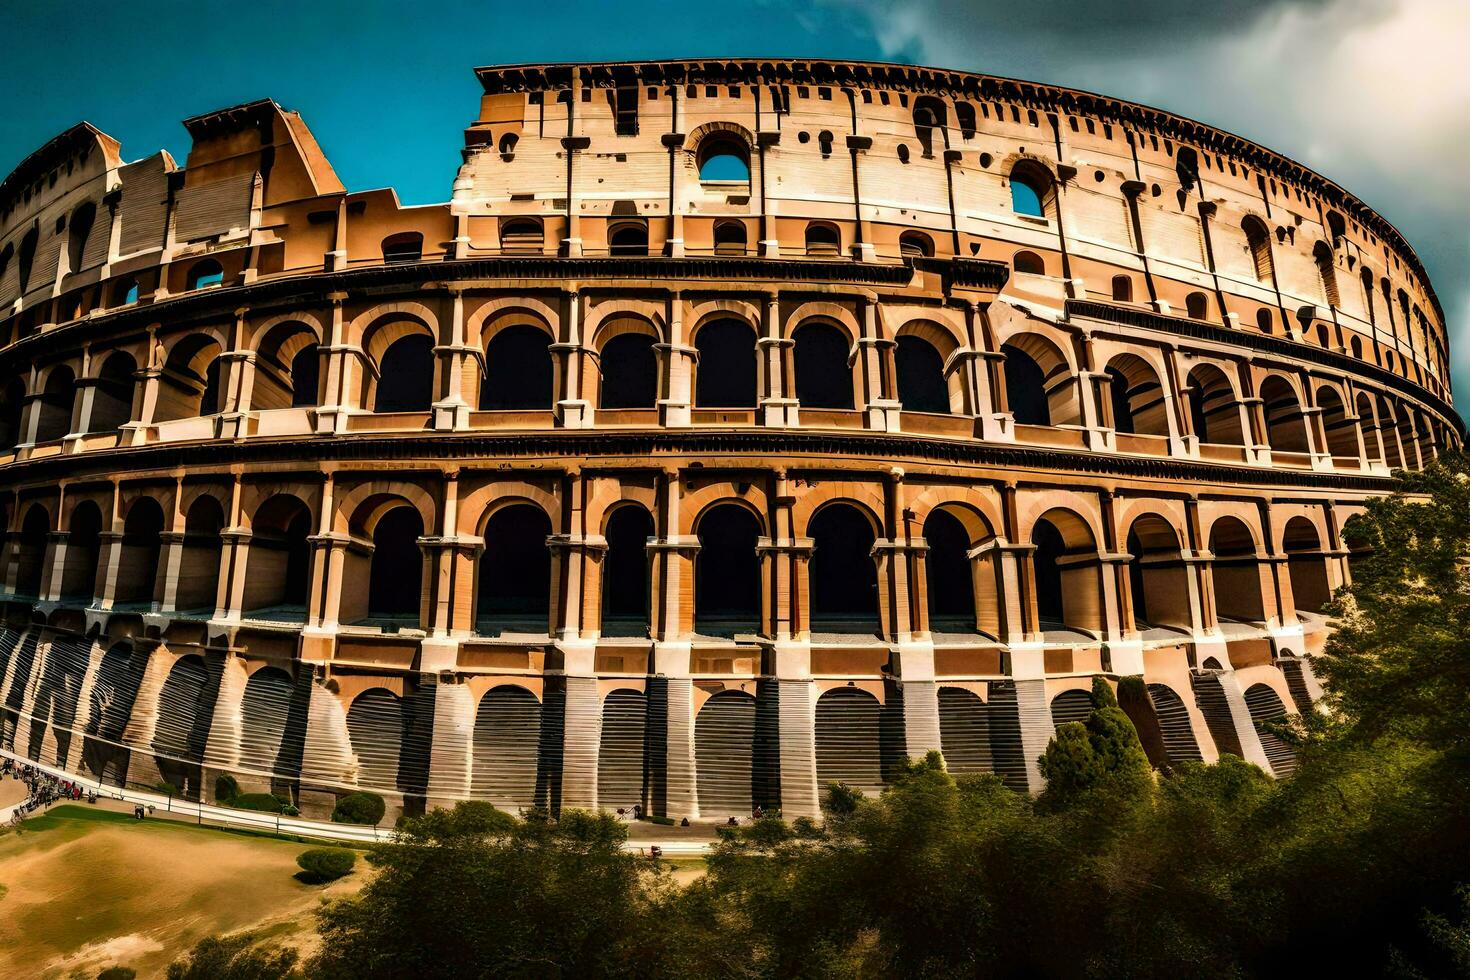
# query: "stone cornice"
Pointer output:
{"type": "Point", "coordinates": [797, 449]}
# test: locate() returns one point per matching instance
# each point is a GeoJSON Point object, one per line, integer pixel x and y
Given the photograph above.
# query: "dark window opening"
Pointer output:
{"type": "Point", "coordinates": [823, 239]}
{"type": "Point", "coordinates": [518, 370]}
{"type": "Point", "coordinates": [730, 238]}
{"type": "Point", "coordinates": [112, 399]}
{"type": "Point", "coordinates": [921, 383]}
{"type": "Point", "coordinates": [515, 571]}
{"type": "Point", "coordinates": [305, 376]}
{"type": "Point", "coordinates": [625, 110]}
{"type": "Point", "coordinates": [1122, 289]}
{"type": "Point", "coordinates": [203, 274]}
{"type": "Point", "coordinates": [1118, 393]}
{"type": "Point", "coordinates": [395, 580]}
{"type": "Point", "coordinates": [522, 235]}
{"type": "Point", "coordinates": [628, 239]}
{"type": "Point", "coordinates": [727, 578]}
{"type": "Point", "coordinates": [950, 574]}
{"type": "Point", "coordinates": [625, 573]}
{"type": "Point", "coordinates": [1050, 547]}
{"type": "Point", "coordinates": [915, 244]}
{"type": "Point", "coordinates": [629, 368]}
{"type": "Point", "coordinates": [407, 246]}
{"type": "Point", "coordinates": [141, 542]}
{"type": "Point", "coordinates": [1028, 263]}
{"type": "Point", "coordinates": [823, 374]}
{"type": "Point", "coordinates": [725, 374]}
{"type": "Point", "coordinates": [81, 223]}
{"type": "Point", "coordinates": [406, 376]}
{"type": "Point", "coordinates": [1196, 306]}
{"type": "Point", "coordinates": [1026, 387]}
{"type": "Point", "coordinates": [843, 576]}
{"type": "Point", "coordinates": [28, 257]}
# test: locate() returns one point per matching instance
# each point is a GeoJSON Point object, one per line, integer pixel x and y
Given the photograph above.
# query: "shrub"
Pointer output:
{"type": "Point", "coordinates": [117, 973]}
{"type": "Point", "coordinates": [289, 810]}
{"type": "Point", "coordinates": [264, 802]}
{"type": "Point", "coordinates": [360, 808]}
{"type": "Point", "coordinates": [226, 788]}
{"type": "Point", "coordinates": [234, 958]}
{"type": "Point", "coordinates": [324, 864]}
{"type": "Point", "coordinates": [167, 789]}
{"type": "Point", "coordinates": [662, 821]}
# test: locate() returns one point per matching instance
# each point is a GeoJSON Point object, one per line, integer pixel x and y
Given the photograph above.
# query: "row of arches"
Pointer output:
{"type": "Point", "coordinates": [514, 575]}
{"type": "Point", "coordinates": [1041, 385]}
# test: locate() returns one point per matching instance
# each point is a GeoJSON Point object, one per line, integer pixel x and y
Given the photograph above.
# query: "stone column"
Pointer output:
{"type": "Point", "coordinates": [581, 739]}
{"type": "Point", "coordinates": [1222, 702]}
{"type": "Point", "coordinates": [572, 410]}
{"type": "Point", "coordinates": [327, 760]}
{"type": "Point", "coordinates": [341, 370]}
{"type": "Point", "coordinates": [678, 364]}
{"type": "Point", "coordinates": [880, 408]}
{"type": "Point", "coordinates": [226, 728]}
{"type": "Point", "coordinates": [451, 750]}
{"type": "Point", "coordinates": [777, 409]}
{"type": "Point", "coordinates": [456, 360]}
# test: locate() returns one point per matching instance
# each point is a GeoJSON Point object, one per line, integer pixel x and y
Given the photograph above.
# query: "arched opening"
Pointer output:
{"type": "Point", "coordinates": [1371, 435]}
{"type": "Point", "coordinates": [1122, 289]}
{"type": "Point", "coordinates": [1213, 410]}
{"type": "Point", "coordinates": [200, 558]}
{"type": "Point", "coordinates": [378, 725]}
{"type": "Point", "coordinates": [305, 376]}
{"type": "Point", "coordinates": [1039, 385]}
{"type": "Point", "coordinates": [1388, 426]}
{"type": "Point", "coordinates": [915, 245]}
{"type": "Point", "coordinates": [1158, 578]}
{"type": "Point", "coordinates": [1065, 562]}
{"type": "Point", "coordinates": [518, 370]}
{"type": "Point", "coordinates": [950, 574]}
{"type": "Point", "coordinates": [1030, 191]}
{"type": "Point", "coordinates": [725, 373]}
{"type": "Point", "coordinates": [849, 740]}
{"type": "Point", "coordinates": [1028, 263]}
{"type": "Point", "coordinates": [1236, 571]}
{"type": "Point", "coordinates": [406, 375]}
{"type": "Point", "coordinates": [1286, 426]}
{"type": "Point", "coordinates": [406, 246]}
{"type": "Point", "coordinates": [514, 587]}
{"type": "Point", "coordinates": [724, 158]}
{"type": "Point", "coordinates": [137, 571]}
{"type": "Point", "coordinates": [54, 407]}
{"type": "Point", "coordinates": [125, 292]}
{"type": "Point", "coordinates": [1265, 707]}
{"type": "Point", "coordinates": [1265, 320]}
{"type": "Point", "coordinates": [395, 581]}
{"type": "Point", "coordinates": [823, 239]}
{"type": "Point", "coordinates": [1342, 432]}
{"type": "Point", "coordinates": [278, 569]}
{"type": "Point", "coordinates": [1186, 168]}
{"type": "Point", "coordinates": [183, 724]}
{"type": "Point", "coordinates": [30, 547]}
{"type": "Point", "coordinates": [522, 236]}
{"type": "Point", "coordinates": [112, 397]}
{"type": "Point", "coordinates": [625, 572]}
{"type": "Point", "coordinates": [735, 757]}
{"type": "Point", "coordinates": [1197, 306]}
{"type": "Point", "coordinates": [1174, 725]}
{"type": "Point", "coordinates": [12, 409]}
{"type": "Point", "coordinates": [27, 257]}
{"type": "Point", "coordinates": [727, 576]}
{"type": "Point", "coordinates": [921, 382]}
{"type": "Point", "coordinates": [1139, 403]}
{"type": "Point", "coordinates": [1306, 565]}
{"type": "Point", "coordinates": [628, 238]}
{"type": "Point", "coordinates": [1258, 239]}
{"type": "Point", "coordinates": [823, 368]}
{"type": "Point", "coordinates": [79, 229]}
{"type": "Point", "coordinates": [506, 747]}
{"type": "Point", "coordinates": [964, 731]}
{"type": "Point", "coordinates": [1327, 272]}
{"type": "Point", "coordinates": [930, 113]}
{"type": "Point", "coordinates": [629, 369]}
{"type": "Point", "coordinates": [622, 774]}
{"type": "Point", "coordinates": [190, 384]}
{"type": "Point", "coordinates": [843, 580]}
{"type": "Point", "coordinates": [1071, 707]}
{"type": "Point", "coordinates": [204, 273]}
{"type": "Point", "coordinates": [265, 723]}
{"type": "Point", "coordinates": [287, 368]}
{"type": "Point", "coordinates": [731, 238]}
{"type": "Point", "coordinates": [83, 550]}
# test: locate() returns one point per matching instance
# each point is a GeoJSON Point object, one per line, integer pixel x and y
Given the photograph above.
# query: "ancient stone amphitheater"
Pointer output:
{"type": "Point", "coordinates": [736, 427]}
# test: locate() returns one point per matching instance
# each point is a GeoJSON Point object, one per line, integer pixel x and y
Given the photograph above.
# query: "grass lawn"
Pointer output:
{"type": "Point", "coordinates": [83, 888]}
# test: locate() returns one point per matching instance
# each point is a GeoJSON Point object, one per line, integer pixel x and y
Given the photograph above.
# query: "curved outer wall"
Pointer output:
{"type": "Point", "coordinates": [609, 484]}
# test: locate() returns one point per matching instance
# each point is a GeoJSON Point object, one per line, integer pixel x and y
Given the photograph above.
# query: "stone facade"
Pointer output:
{"type": "Point", "coordinates": [736, 427]}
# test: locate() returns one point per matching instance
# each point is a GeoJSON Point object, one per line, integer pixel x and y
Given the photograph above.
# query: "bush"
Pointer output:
{"type": "Point", "coordinates": [323, 864]}
{"type": "Point", "coordinates": [167, 789]}
{"type": "Point", "coordinates": [235, 958]}
{"type": "Point", "coordinates": [226, 788]}
{"type": "Point", "coordinates": [265, 802]}
{"type": "Point", "coordinates": [360, 808]}
{"type": "Point", "coordinates": [117, 973]}
{"type": "Point", "coordinates": [289, 810]}
{"type": "Point", "coordinates": [662, 821]}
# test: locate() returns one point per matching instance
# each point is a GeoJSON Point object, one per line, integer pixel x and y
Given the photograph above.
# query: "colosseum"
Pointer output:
{"type": "Point", "coordinates": [736, 427]}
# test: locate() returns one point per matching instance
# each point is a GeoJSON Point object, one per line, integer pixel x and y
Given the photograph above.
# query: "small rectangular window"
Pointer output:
{"type": "Point", "coordinates": [625, 110]}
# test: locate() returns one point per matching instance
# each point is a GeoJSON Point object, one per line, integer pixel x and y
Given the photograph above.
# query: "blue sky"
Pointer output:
{"type": "Point", "coordinates": [1372, 93]}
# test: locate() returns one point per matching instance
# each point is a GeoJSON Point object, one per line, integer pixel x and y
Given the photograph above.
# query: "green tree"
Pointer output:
{"type": "Point", "coordinates": [235, 958]}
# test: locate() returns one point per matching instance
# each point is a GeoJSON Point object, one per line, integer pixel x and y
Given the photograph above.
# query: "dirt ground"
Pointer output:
{"type": "Point", "coordinates": [82, 889]}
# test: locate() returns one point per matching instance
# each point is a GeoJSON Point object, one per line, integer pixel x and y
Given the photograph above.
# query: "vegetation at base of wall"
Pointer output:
{"type": "Point", "coordinates": [323, 864]}
{"type": "Point", "coordinates": [167, 789]}
{"type": "Point", "coordinates": [226, 788]}
{"type": "Point", "coordinates": [662, 821]}
{"type": "Point", "coordinates": [1358, 865]}
{"type": "Point", "coordinates": [236, 957]}
{"type": "Point", "coordinates": [264, 802]}
{"type": "Point", "coordinates": [365, 808]}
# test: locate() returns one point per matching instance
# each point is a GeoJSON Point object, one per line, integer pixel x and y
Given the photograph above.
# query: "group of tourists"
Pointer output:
{"type": "Point", "coordinates": [42, 788]}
